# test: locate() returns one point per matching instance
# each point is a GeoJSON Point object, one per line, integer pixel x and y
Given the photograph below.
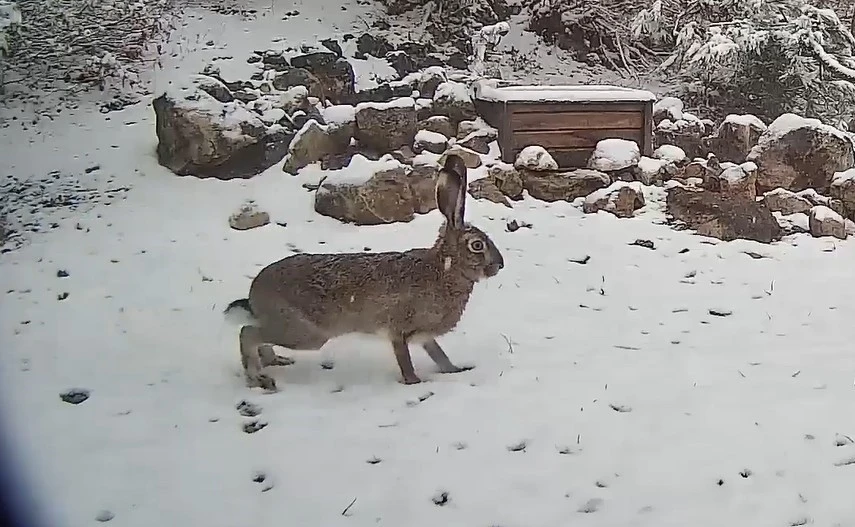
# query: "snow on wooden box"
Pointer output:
{"type": "Point", "coordinates": [566, 120]}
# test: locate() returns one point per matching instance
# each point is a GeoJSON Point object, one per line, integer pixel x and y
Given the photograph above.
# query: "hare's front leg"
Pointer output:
{"type": "Point", "coordinates": [251, 344]}
{"type": "Point", "coordinates": [405, 362]}
{"type": "Point", "coordinates": [438, 356]}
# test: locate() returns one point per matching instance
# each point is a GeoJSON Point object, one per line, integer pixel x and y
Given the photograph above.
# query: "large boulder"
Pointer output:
{"type": "Point", "coordinates": [201, 136]}
{"type": "Point", "coordinates": [786, 202]}
{"type": "Point", "coordinates": [731, 180]}
{"type": "Point", "coordinates": [374, 192]}
{"type": "Point", "coordinates": [567, 186]}
{"type": "Point", "coordinates": [535, 158]}
{"type": "Point", "coordinates": [334, 76]}
{"type": "Point", "coordinates": [797, 153]}
{"type": "Point", "coordinates": [688, 133]}
{"type": "Point", "coordinates": [736, 136]}
{"type": "Point", "coordinates": [315, 142]}
{"type": "Point", "coordinates": [713, 214]}
{"type": "Point", "coordinates": [503, 181]}
{"type": "Point", "coordinates": [384, 127]}
{"type": "Point", "coordinates": [620, 198]}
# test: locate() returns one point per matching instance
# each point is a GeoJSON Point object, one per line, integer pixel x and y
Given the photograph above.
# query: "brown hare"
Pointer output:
{"type": "Point", "coordinates": [302, 301]}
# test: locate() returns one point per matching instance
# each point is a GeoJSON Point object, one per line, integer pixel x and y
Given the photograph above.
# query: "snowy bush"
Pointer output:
{"type": "Point", "coordinates": [756, 56]}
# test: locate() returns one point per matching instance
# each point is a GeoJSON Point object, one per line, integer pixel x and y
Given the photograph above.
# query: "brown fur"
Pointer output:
{"type": "Point", "coordinates": [302, 301]}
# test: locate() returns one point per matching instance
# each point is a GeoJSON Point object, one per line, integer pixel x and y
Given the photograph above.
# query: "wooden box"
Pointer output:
{"type": "Point", "coordinates": [566, 120]}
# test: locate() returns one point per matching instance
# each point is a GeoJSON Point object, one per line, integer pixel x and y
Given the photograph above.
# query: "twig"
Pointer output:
{"type": "Point", "coordinates": [510, 344]}
{"type": "Point", "coordinates": [344, 512]}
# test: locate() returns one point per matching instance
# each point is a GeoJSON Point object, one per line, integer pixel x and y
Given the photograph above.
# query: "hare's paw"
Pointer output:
{"type": "Point", "coordinates": [457, 369]}
{"type": "Point", "coordinates": [269, 358]}
{"type": "Point", "coordinates": [411, 380]}
{"type": "Point", "coordinates": [261, 380]}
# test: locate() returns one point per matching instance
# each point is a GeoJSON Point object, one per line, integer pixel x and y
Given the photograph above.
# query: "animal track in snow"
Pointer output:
{"type": "Point", "coordinates": [592, 505]}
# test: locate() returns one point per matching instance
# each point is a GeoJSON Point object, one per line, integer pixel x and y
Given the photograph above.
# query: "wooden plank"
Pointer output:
{"type": "Point", "coordinates": [571, 138]}
{"type": "Point", "coordinates": [578, 121]}
{"type": "Point", "coordinates": [647, 139]}
{"type": "Point", "coordinates": [534, 107]}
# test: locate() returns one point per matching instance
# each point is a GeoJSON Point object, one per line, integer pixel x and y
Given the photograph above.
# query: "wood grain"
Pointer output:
{"type": "Point", "coordinates": [578, 121]}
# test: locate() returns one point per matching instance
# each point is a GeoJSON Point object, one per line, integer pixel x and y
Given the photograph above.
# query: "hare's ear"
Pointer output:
{"type": "Point", "coordinates": [451, 190]}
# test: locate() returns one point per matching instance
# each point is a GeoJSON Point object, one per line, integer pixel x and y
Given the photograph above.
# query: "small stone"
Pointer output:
{"type": "Point", "coordinates": [104, 516]}
{"type": "Point", "coordinates": [75, 395]}
{"type": "Point", "coordinates": [62, 273]}
{"type": "Point", "coordinates": [440, 498]}
{"type": "Point", "coordinates": [248, 217]}
{"type": "Point", "coordinates": [62, 296]}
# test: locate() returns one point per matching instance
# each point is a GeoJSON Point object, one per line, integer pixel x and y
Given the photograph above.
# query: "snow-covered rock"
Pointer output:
{"type": "Point", "coordinates": [202, 136]}
{"type": "Point", "coordinates": [373, 192]}
{"type": "Point", "coordinates": [735, 182]}
{"type": "Point", "coordinates": [536, 158]}
{"type": "Point", "coordinates": [470, 157]}
{"type": "Point", "coordinates": [478, 141]}
{"type": "Point", "coordinates": [652, 171]}
{"type": "Point", "coordinates": [826, 222]}
{"type": "Point", "coordinates": [670, 108]}
{"type": "Point", "coordinates": [736, 136]}
{"type": "Point", "coordinates": [786, 202]}
{"type": "Point", "coordinates": [439, 124]}
{"type": "Point", "coordinates": [612, 155]}
{"type": "Point", "coordinates": [429, 141]}
{"type": "Point", "coordinates": [566, 186]}
{"type": "Point", "coordinates": [670, 153]}
{"type": "Point", "coordinates": [315, 141]}
{"type": "Point", "coordinates": [383, 127]}
{"type": "Point", "coordinates": [796, 223]}
{"type": "Point", "coordinates": [796, 153]}
{"type": "Point", "coordinates": [843, 189]}
{"type": "Point", "coordinates": [248, 217]}
{"type": "Point", "coordinates": [465, 128]}
{"type": "Point", "coordinates": [452, 100]}
{"type": "Point", "coordinates": [503, 181]}
{"type": "Point", "coordinates": [713, 214]}
{"type": "Point", "coordinates": [620, 198]}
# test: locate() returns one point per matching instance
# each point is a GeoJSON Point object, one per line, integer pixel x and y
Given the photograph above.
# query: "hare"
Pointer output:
{"type": "Point", "coordinates": [302, 301]}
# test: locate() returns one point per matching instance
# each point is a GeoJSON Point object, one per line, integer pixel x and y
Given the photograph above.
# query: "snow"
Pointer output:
{"type": "Point", "coordinates": [746, 120]}
{"type": "Point", "coordinates": [733, 175]}
{"type": "Point", "coordinates": [614, 154]}
{"type": "Point", "coordinates": [402, 102]}
{"type": "Point", "coordinates": [844, 178]}
{"type": "Point", "coordinates": [670, 106]}
{"type": "Point", "coordinates": [359, 171]}
{"type": "Point", "coordinates": [789, 122]}
{"type": "Point", "coordinates": [339, 114]}
{"type": "Point", "coordinates": [822, 213]}
{"type": "Point", "coordinates": [569, 94]}
{"type": "Point", "coordinates": [650, 167]}
{"type": "Point", "coordinates": [230, 116]}
{"type": "Point", "coordinates": [631, 399]}
{"type": "Point", "coordinates": [535, 157]}
{"type": "Point", "coordinates": [455, 91]}
{"type": "Point", "coordinates": [670, 153]}
{"type": "Point", "coordinates": [612, 190]}
{"type": "Point", "coordinates": [428, 137]}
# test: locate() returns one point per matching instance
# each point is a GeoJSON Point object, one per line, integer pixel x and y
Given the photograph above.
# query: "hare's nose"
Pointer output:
{"type": "Point", "coordinates": [500, 262]}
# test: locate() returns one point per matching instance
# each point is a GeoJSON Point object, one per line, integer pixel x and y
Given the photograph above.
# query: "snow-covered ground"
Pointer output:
{"type": "Point", "coordinates": [690, 384]}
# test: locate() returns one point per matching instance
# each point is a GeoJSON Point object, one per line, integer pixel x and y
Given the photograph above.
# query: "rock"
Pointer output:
{"type": "Point", "coordinates": [452, 100]}
{"type": "Point", "coordinates": [332, 45]}
{"type": "Point", "coordinates": [817, 199]}
{"type": "Point", "coordinates": [687, 133]}
{"type": "Point", "coordinates": [712, 214]}
{"type": "Point", "coordinates": [404, 154]}
{"type": "Point", "coordinates": [439, 124]}
{"type": "Point", "coordinates": [653, 171]}
{"type": "Point", "coordinates": [248, 217]}
{"type": "Point", "coordinates": [75, 395]}
{"type": "Point", "coordinates": [104, 516]}
{"type": "Point", "coordinates": [381, 93]}
{"type": "Point", "coordinates": [314, 142]}
{"type": "Point", "coordinates": [201, 136]}
{"type": "Point", "coordinates": [292, 77]}
{"type": "Point", "coordinates": [671, 154]}
{"type": "Point", "coordinates": [368, 44]}
{"type": "Point", "coordinates": [535, 158]}
{"type": "Point", "coordinates": [429, 141]}
{"type": "Point", "coordinates": [567, 186]}
{"type": "Point", "coordinates": [786, 202]}
{"type": "Point", "coordinates": [797, 223]}
{"type": "Point", "coordinates": [503, 181]}
{"type": "Point", "coordinates": [736, 136]}
{"type": "Point", "coordinates": [612, 155]}
{"type": "Point", "coordinates": [334, 75]}
{"type": "Point", "coordinates": [670, 108]}
{"type": "Point", "coordinates": [470, 158]}
{"type": "Point", "coordinates": [620, 198]}
{"type": "Point", "coordinates": [465, 128]}
{"type": "Point", "coordinates": [422, 179]}
{"type": "Point", "coordinates": [401, 62]}
{"type": "Point", "coordinates": [213, 87]}
{"type": "Point", "coordinates": [825, 222]}
{"type": "Point", "coordinates": [734, 181]}
{"type": "Point", "coordinates": [429, 80]}
{"type": "Point", "coordinates": [478, 141]}
{"type": "Point", "coordinates": [386, 126]}
{"type": "Point", "coordinates": [375, 192]}
{"type": "Point", "coordinates": [843, 189]}
{"type": "Point", "coordinates": [797, 153]}
{"type": "Point", "coordinates": [272, 59]}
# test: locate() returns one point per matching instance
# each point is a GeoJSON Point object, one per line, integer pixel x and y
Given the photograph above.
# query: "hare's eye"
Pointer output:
{"type": "Point", "coordinates": [476, 246]}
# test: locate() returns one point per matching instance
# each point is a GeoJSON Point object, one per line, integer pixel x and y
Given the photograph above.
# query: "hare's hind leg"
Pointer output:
{"type": "Point", "coordinates": [405, 362]}
{"type": "Point", "coordinates": [270, 358]}
{"type": "Point", "coordinates": [438, 356]}
{"type": "Point", "coordinates": [251, 355]}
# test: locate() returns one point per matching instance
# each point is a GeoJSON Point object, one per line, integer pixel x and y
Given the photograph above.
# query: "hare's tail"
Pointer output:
{"type": "Point", "coordinates": [242, 306]}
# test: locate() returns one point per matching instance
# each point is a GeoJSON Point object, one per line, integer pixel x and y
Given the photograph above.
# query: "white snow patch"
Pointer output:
{"type": "Point", "coordinates": [843, 178]}
{"type": "Point", "coordinates": [611, 191]}
{"type": "Point", "coordinates": [671, 153]}
{"type": "Point", "coordinates": [650, 167]}
{"type": "Point", "coordinates": [746, 120]}
{"type": "Point", "coordinates": [403, 102]}
{"type": "Point", "coordinates": [823, 213]}
{"type": "Point", "coordinates": [734, 174]}
{"type": "Point", "coordinates": [426, 136]}
{"type": "Point", "coordinates": [582, 93]}
{"type": "Point", "coordinates": [339, 114]}
{"type": "Point", "coordinates": [789, 122]}
{"type": "Point", "coordinates": [670, 106]}
{"type": "Point", "coordinates": [535, 157]}
{"type": "Point", "coordinates": [614, 154]}
{"type": "Point", "coordinates": [455, 91]}
{"type": "Point", "coordinates": [359, 171]}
